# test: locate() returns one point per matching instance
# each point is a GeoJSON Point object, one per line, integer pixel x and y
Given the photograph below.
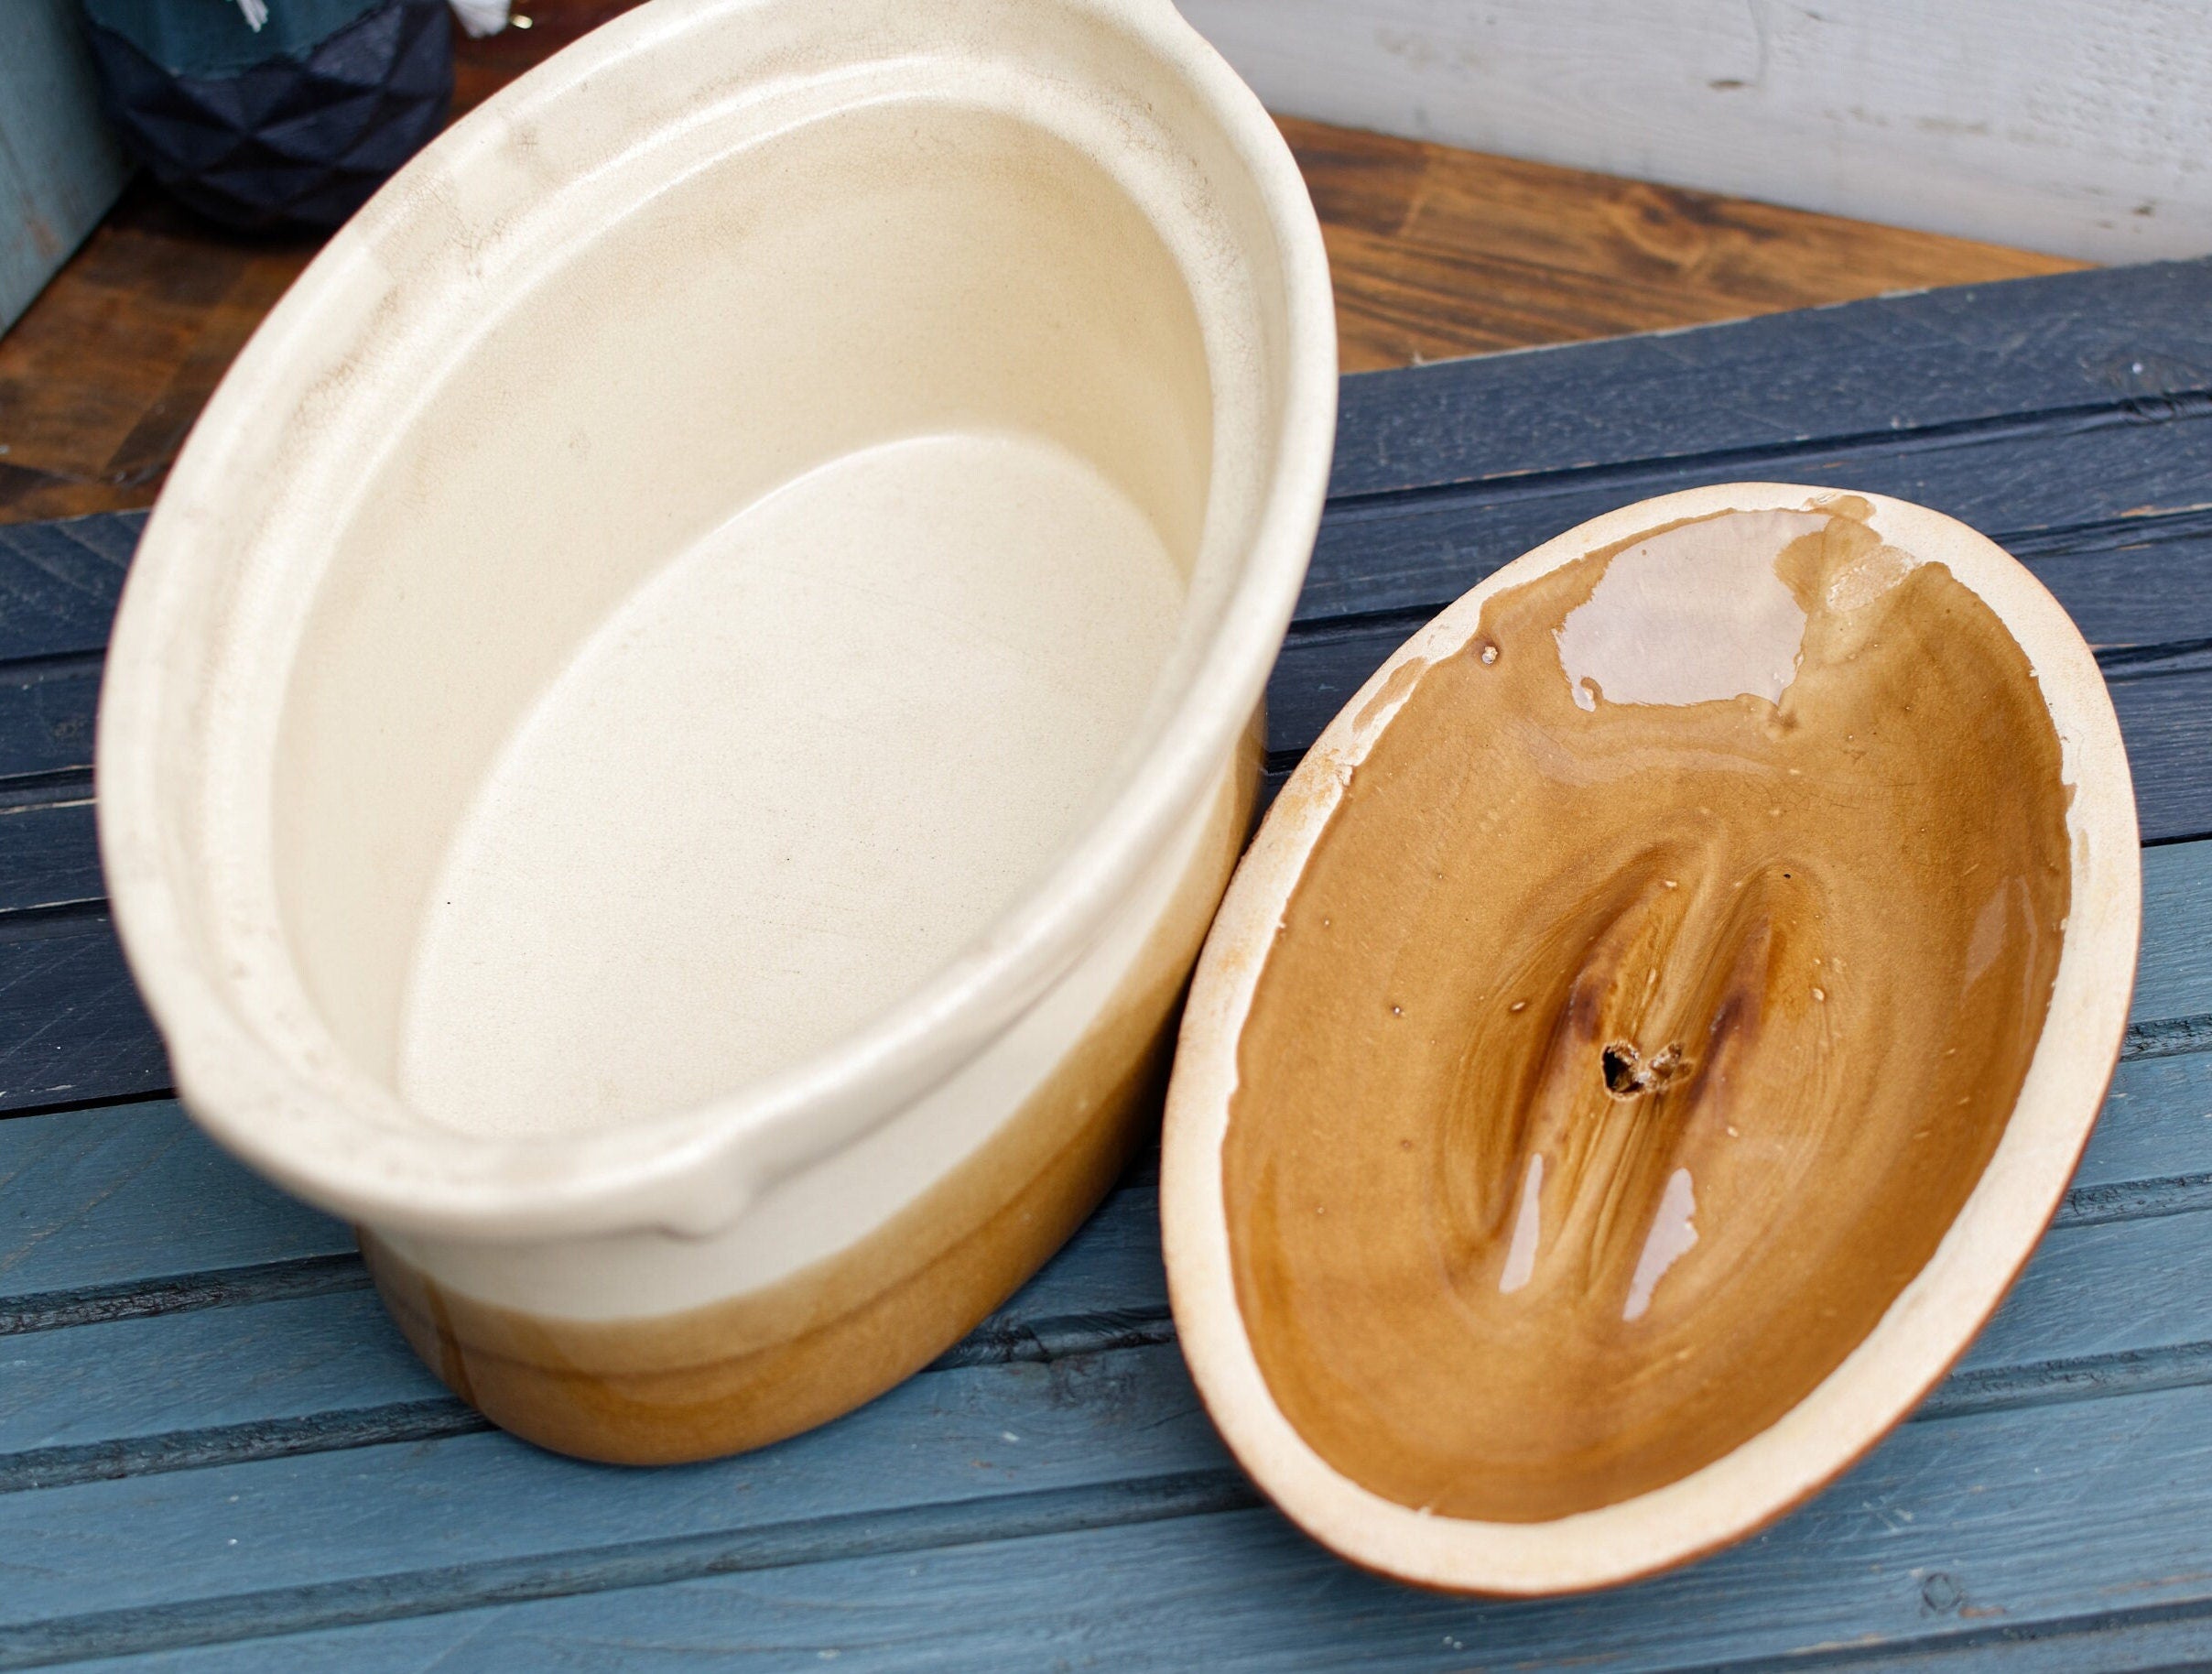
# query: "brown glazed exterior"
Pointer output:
{"type": "Point", "coordinates": [1625, 1052]}
{"type": "Point", "coordinates": [760, 1367]}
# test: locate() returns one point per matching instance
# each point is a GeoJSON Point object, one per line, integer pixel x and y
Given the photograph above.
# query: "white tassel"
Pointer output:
{"type": "Point", "coordinates": [256, 12]}
{"type": "Point", "coordinates": [477, 16]}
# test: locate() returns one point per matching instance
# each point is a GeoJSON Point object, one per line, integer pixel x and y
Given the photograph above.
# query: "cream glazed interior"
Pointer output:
{"type": "Point", "coordinates": [1651, 1030]}
{"type": "Point", "coordinates": [696, 678]}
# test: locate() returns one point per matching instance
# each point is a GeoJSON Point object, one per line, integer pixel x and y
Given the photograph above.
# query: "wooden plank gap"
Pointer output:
{"type": "Point", "coordinates": [1042, 1342]}
{"type": "Point", "coordinates": [105, 1101]}
{"type": "Point", "coordinates": [30, 921]}
{"type": "Point", "coordinates": [2139, 1199]}
{"type": "Point", "coordinates": [2082, 1378]}
{"type": "Point", "coordinates": [269, 1281]}
{"type": "Point", "coordinates": [56, 665]}
{"type": "Point", "coordinates": [52, 787]}
{"type": "Point", "coordinates": [2168, 1037]}
{"type": "Point", "coordinates": [406, 1422]}
{"type": "Point", "coordinates": [2056, 423]}
{"type": "Point", "coordinates": [2137, 662]}
{"type": "Point", "coordinates": [2136, 1635]}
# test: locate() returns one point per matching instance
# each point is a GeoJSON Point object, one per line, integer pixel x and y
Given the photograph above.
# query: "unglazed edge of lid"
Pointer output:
{"type": "Point", "coordinates": [1925, 1329]}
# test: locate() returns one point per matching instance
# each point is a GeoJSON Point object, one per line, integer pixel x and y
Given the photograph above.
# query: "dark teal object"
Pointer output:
{"type": "Point", "coordinates": [214, 37]}
{"type": "Point", "coordinates": [289, 127]}
{"type": "Point", "coordinates": [60, 164]}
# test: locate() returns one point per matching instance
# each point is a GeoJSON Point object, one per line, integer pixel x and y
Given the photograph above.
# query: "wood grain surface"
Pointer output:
{"type": "Point", "coordinates": [1435, 253]}
{"type": "Point", "coordinates": [215, 1453]}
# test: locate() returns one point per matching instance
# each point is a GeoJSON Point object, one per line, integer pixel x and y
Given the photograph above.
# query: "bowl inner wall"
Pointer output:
{"type": "Point", "coordinates": [752, 612]}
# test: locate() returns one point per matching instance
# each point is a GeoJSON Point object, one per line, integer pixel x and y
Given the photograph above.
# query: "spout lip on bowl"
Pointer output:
{"type": "Point", "coordinates": [1926, 1328]}
{"type": "Point", "coordinates": [270, 1100]}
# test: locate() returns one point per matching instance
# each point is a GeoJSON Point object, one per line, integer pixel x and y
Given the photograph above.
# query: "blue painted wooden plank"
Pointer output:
{"type": "Point", "coordinates": [59, 582]}
{"type": "Point", "coordinates": [2152, 1144]}
{"type": "Point", "coordinates": [2103, 1309]}
{"type": "Point", "coordinates": [2166, 719]}
{"type": "Point", "coordinates": [2134, 337]}
{"type": "Point", "coordinates": [963, 1434]}
{"type": "Point", "coordinates": [2116, 577]}
{"type": "Point", "coordinates": [2042, 1518]}
{"type": "Point", "coordinates": [49, 855]}
{"type": "Point", "coordinates": [949, 1610]}
{"type": "Point", "coordinates": [97, 1200]}
{"type": "Point", "coordinates": [2132, 581]}
{"type": "Point", "coordinates": [1045, 1604]}
{"type": "Point", "coordinates": [179, 1390]}
{"type": "Point", "coordinates": [131, 1211]}
{"type": "Point", "coordinates": [47, 708]}
{"type": "Point", "coordinates": [2108, 520]}
{"type": "Point", "coordinates": [72, 1029]}
{"type": "Point", "coordinates": [2173, 978]}
{"type": "Point", "coordinates": [277, 1346]}
{"type": "Point", "coordinates": [1404, 553]}
{"type": "Point", "coordinates": [189, 1390]}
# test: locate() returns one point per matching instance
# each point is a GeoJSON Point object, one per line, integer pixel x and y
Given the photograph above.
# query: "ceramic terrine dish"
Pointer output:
{"type": "Point", "coordinates": [677, 726]}
{"type": "Point", "coordinates": [1649, 1033]}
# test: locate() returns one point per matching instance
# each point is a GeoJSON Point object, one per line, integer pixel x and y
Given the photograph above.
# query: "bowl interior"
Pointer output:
{"type": "Point", "coordinates": [741, 618]}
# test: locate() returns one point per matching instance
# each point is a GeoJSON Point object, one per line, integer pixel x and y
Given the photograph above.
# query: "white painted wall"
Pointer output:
{"type": "Point", "coordinates": [2082, 127]}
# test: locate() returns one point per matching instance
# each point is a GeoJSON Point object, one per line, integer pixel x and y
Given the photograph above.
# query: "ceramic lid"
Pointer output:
{"type": "Point", "coordinates": [1652, 1028]}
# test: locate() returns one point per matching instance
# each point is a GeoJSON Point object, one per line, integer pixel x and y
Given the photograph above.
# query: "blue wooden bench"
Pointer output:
{"type": "Point", "coordinates": [215, 1452]}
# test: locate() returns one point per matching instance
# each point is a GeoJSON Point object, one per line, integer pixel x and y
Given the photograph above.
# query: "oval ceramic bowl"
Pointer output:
{"type": "Point", "coordinates": [1650, 1031]}
{"type": "Point", "coordinates": [679, 724]}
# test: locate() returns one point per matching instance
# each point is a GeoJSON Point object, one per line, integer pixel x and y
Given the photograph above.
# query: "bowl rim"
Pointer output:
{"type": "Point", "coordinates": [691, 1171]}
{"type": "Point", "coordinates": [1926, 1327]}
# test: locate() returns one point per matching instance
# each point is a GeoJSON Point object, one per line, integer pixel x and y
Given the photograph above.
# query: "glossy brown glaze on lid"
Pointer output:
{"type": "Point", "coordinates": [1644, 1013]}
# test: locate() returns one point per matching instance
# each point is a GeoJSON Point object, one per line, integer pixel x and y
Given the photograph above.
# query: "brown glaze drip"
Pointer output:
{"type": "Point", "coordinates": [1645, 1013]}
